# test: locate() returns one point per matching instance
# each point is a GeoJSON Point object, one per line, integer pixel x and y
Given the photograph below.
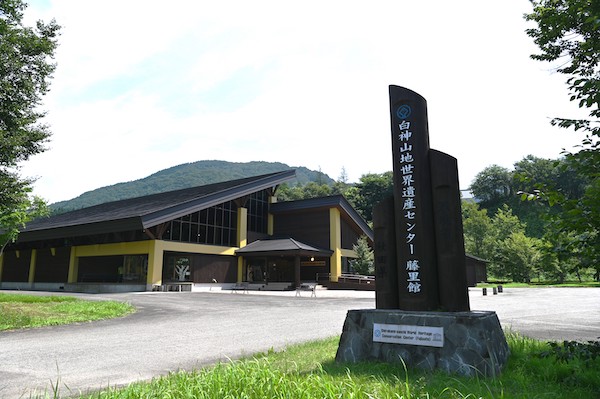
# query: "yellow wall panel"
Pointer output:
{"type": "Point", "coordinates": [32, 266]}
{"type": "Point", "coordinates": [335, 243]}
{"type": "Point", "coordinates": [242, 227]}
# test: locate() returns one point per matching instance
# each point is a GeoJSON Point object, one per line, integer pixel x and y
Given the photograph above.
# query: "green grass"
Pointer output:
{"type": "Point", "coordinates": [309, 371]}
{"type": "Point", "coordinates": [593, 284]}
{"type": "Point", "coordinates": [26, 311]}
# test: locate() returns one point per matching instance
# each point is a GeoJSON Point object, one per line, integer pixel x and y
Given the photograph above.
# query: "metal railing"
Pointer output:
{"type": "Point", "coordinates": [347, 278]}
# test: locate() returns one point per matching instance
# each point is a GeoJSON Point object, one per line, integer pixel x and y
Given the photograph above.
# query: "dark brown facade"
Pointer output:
{"type": "Point", "coordinates": [16, 266]}
{"type": "Point", "coordinates": [52, 265]}
{"type": "Point", "coordinates": [311, 226]}
{"type": "Point", "coordinates": [186, 236]}
{"type": "Point", "coordinates": [476, 270]}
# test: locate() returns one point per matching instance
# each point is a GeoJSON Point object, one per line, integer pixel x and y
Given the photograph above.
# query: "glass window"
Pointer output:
{"type": "Point", "coordinates": [258, 208]}
{"type": "Point", "coordinates": [176, 230]}
{"type": "Point", "coordinates": [177, 268]}
{"type": "Point", "coordinates": [135, 269]}
{"type": "Point", "coordinates": [194, 232]}
{"type": "Point", "coordinates": [203, 216]}
{"type": "Point", "coordinates": [202, 234]}
{"type": "Point", "coordinates": [185, 232]}
{"type": "Point", "coordinates": [213, 226]}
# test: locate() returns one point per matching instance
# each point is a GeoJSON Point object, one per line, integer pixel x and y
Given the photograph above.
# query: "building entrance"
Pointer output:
{"type": "Point", "coordinates": [261, 270]}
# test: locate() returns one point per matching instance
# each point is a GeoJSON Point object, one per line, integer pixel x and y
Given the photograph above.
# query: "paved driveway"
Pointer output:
{"type": "Point", "coordinates": [174, 331]}
{"type": "Point", "coordinates": [554, 314]}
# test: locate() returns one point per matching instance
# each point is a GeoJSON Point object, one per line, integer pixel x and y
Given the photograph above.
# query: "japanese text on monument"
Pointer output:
{"type": "Point", "coordinates": [409, 199]}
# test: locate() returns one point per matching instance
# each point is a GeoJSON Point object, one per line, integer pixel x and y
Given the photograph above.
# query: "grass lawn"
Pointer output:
{"type": "Point", "coordinates": [592, 284]}
{"type": "Point", "coordinates": [309, 371]}
{"type": "Point", "coordinates": [25, 311]}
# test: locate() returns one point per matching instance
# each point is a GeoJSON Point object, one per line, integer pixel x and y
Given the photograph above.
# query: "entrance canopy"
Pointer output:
{"type": "Point", "coordinates": [281, 247]}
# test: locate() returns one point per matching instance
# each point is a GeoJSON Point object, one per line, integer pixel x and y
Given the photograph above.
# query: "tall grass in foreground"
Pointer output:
{"type": "Point", "coordinates": [309, 371]}
{"type": "Point", "coordinates": [25, 311]}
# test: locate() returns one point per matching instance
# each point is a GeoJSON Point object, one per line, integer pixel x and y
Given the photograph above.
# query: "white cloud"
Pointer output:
{"type": "Point", "coordinates": [143, 85]}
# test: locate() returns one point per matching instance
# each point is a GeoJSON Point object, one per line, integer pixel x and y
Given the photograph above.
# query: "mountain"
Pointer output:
{"type": "Point", "coordinates": [183, 176]}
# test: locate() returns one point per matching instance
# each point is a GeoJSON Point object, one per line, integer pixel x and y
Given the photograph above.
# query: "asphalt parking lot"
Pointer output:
{"type": "Point", "coordinates": [172, 331]}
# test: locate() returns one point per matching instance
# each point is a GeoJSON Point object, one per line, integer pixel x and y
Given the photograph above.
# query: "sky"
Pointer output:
{"type": "Point", "coordinates": [143, 85]}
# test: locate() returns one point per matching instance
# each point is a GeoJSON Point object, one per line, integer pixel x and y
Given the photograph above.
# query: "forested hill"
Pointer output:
{"type": "Point", "coordinates": [183, 176]}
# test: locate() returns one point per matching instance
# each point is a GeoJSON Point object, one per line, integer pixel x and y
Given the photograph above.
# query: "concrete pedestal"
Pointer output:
{"type": "Point", "coordinates": [471, 343]}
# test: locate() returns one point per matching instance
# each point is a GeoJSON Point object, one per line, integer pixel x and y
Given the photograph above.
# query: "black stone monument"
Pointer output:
{"type": "Point", "coordinates": [425, 219]}
{"type": "Point", "coordinates": [422, 314]}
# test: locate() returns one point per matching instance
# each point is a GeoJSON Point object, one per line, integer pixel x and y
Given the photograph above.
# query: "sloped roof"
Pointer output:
{"type": "Point", "coordinates": [477, 259]}
{"type": "Point", "coordinates": [335, 201]}
{"type": "Point", "coordinates": [281, 246]}
{"type": "Point", "coordinates": [147, 211]}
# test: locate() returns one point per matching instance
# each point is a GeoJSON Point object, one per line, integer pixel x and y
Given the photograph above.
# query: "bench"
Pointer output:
{"type": "Point", "coordinates": [307, 287]}
{"type": "Point", "coordinates": [243, 286]}
{"type": "Point", "coordinates": [177, 286]}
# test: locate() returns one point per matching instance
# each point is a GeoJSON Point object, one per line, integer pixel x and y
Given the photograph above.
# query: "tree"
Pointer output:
{"type": "Point", "coordinates": [567, 31]}
{"type": "Point", "coordinates": [363, 264]}
{"type": "Point", "coordinates": [492, 186]}
{"type": "Point", "coordinates": [517, 257]}
{"type": "Point", "coordinates": [529, 174]}
{"type": "Point", "coordinates": [529, 177]}
{"type": "Point", "coordinates": [371, 189]}
{"type": "Point", "coordinates": [314, 190]}
{"type": "Point", "coordinates": [512, 254]}
{"type": "Point", "coordinates": [341, 185]}
{"type": "Point", "coordinates": [306, 191]}
{"type": "Point", "coordinates": [25, 72]}
{"type": "Point", "coordinates": [23, 210]}
{"type": "Point", "coordinates": [560, 256]}
{"type": "Point", "coordinates": [477, 229]}
{"type": "Point", "coordinates": [505, 223]}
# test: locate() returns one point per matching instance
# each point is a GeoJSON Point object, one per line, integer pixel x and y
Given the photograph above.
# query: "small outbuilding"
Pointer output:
{"type": "Point", "coordinates": [476, 270]}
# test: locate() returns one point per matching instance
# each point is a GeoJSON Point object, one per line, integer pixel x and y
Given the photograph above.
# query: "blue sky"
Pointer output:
{"type": "Point", "coordinates": [145, 85]}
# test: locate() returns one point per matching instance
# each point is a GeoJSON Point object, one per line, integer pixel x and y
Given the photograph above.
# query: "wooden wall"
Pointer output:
{"type": "Point", "coordinates": [52, 268]}
{"type": "Point", "coordinates": [476, 271]}
{"type": "Point", "coordinates": [311, 227]}
{"type": "Point", "coordinates": [349, 235]}
{"type": "Point", "coordinates": [16, 268]}
{"type": "Point", "coordinates": [206, 267]}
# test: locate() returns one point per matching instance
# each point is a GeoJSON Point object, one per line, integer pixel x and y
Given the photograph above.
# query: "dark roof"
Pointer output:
{"type": "Point", "coordinates": [144, 212]}
{"type": "Point", "coordinates": [476, 258]}
{"type": "Point", "coordinates": [337, 201]}
{"type": "Point", "coordinates": [281, 246]}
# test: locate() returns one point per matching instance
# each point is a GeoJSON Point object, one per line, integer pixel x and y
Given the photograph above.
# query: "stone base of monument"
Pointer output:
{"type": "Point", "coordinates": [464, 343]}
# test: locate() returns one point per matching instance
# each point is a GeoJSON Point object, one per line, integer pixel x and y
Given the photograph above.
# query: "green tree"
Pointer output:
{"type": "Point", "coordinates": [25, 72]}
{"type": "Point", "coordinates": [285, 192]}
{"type": "Point", "coordinates": [306, 191]}
{"type": "Point", "coordinates": [371, 189]}
{"type": "Point", "coordinates": [25, 209]}
{"type": "Point", "coordinates": [341, 185]}
{"type": "Point", "coordinates": [508, 234]}
{"type": "Point", "coordinates": [505, 223]}
{"type": "Point", "coordinates": [517, 257]}
{"type": "Point", "coordinates": [492, 186]}
{"type": "Point", "coordinates": [315, 190]}
{"type": "Point", "coordinates": [363, 264]}
{"type": "Point", "coordinates": [477, 229]}
{"type": "Point", "coordinates": [560, 256]}
{"type": "Point", "coordinates": [567, 32]}
{"type": "Point", "coordinates": [529, 174]}
{"type": "Point", "coordinates": [532, 176]}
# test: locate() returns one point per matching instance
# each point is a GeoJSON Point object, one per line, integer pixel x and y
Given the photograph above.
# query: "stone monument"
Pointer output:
{"type": "Point", "coordinates": [422, 315]}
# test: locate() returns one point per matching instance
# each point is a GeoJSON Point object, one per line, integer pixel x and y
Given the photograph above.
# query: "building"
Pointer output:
{"type": "Point", "coordinates": [219, 234]}
{"type": "Point", "coordinates": [476, 270]}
